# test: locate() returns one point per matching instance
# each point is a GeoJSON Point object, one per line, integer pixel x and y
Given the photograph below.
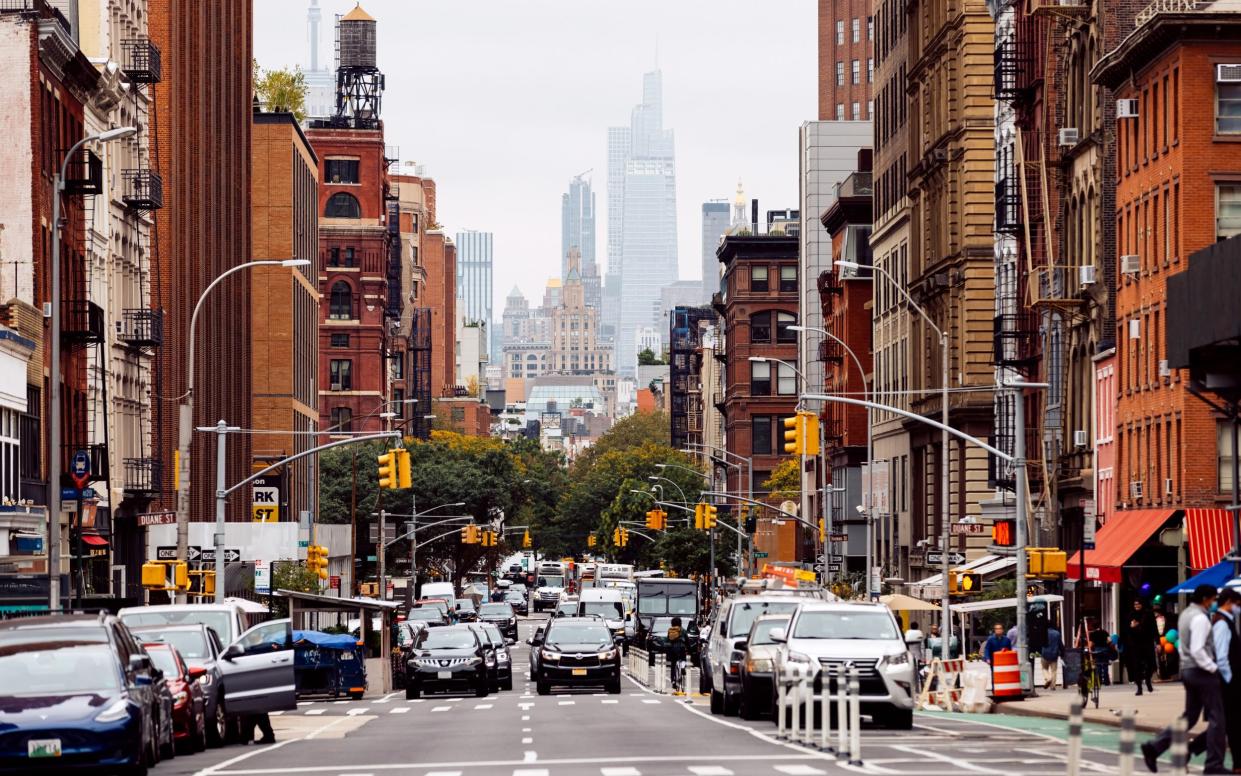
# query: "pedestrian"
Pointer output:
{"type": "Point", "coordinates": [1137, 640]}
{"type": "Point", "coordinates": [1051, 653]}
{"type": "Point", "coordinates": [996, 642]}
{"type": "Point", "coordinates": [1203, 691]}
{"type": "Point", "coordinates": [1226, 639]}
{"type": "Point", "coordinates": [915, 639]}
{"type": "Point", "coordinates": [263, 722]}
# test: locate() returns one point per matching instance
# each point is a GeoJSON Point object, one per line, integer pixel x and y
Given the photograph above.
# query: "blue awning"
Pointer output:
{"type": "Point", "coordinates": [1216, 576]}
{"type": "Point", "coordinates": [325, 640]}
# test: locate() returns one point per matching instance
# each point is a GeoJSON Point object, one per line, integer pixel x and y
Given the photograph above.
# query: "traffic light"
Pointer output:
{"type": "Point", "coordinates": [489, 539]}
{"type": "Point", "coordinates": [202, 583]}
{"type": "Point", "coordinates": [662, 518]}
{"type": "Point", "coordinates": [404, 478]}
{"type": "Point", "coordinates": [822, 530]}
{"type": "Point", "coordinates": [616, 537]}
{"type": "Point", "coordinates": [651, 521]}
{"type": "Point", "coordinates": [316, 560]}
{"type": "Point", "coordinates": [700, 516]}
{"type": "Point", "coordinates": [1045, 562]}
{"type": "Point", "coordinates": [751, 522]}
{"type": "Point", "coordinates": [388, 477]}
{"type": "Point", "coordinates": [471, 534]}
{"type": "Point", "coordinates": [709, 517]}
{"type": "Point", "coordinates": [624, 537]}
{"type": "Point", "coordinates": [1004, 533]}
{"type": "Point", "coordinates": [801, 434]}
{"type": "Point", "coordinates": [591, 541]}
{"type": "Point", "coordinates": [964, 582]}
{"type": "Point", "coordinates": [525, 539]}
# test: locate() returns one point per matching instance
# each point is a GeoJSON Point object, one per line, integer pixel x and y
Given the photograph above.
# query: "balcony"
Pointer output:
{"type": "Point", "coordinates": [84, 174]}
{"type": "Point", "coordinates": [1001, 473]}
{"type": "Point", "coordinates": [1055, 286]}
{"type": "Point", "coordinates": [719, 400]}
{"type": "Point", "coordinates": [143, 476]}
{"type": "Point", "coordinates": [141, 61]}
{"type": "Point", "coordinates": [1015, 340]}
{"type": "Point", "coordinates": [81, 321]}
{"type": "Point", "coordinates": [1060, 8]}
{"type": "Point", "coordinates": [141, 327]}
{"type": "Point", "coordinates": [719, 302]}
{"type": "Point", "coordinates": [830, 351]}
{"type": "Point", "coordinates": [1173, 6]}
{"type": "Point", "coordinates": [719, 350]}
{"type": "Point", "coordinates": [1012, 63]}
{"type": "Point", "coordinates": [143, 190]}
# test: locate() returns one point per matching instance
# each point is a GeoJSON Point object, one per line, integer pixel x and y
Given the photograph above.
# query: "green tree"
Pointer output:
{"type": "Point", "coordinates": [785, 481]}
{"type": "Point", "coordinates": [634, 431]}
{"type": "Point", "coordinates": [647, 357]}
{"type": "Point", "coordinates": [290, 575]}
{"type": "Point", "coordinates": [686, 551]}
{"type": "Point", "coordinates": [281, 91]}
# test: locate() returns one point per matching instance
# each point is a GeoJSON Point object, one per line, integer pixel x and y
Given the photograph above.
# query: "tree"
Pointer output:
{"type": "Point", "coordinates": [647, 357]}
{"type": "Point", "coordinates": [290, 575]}
{"type": "Point", "coordinates": [686, 551]}
{"type": "Point", "coordinates": [784, 484]}
{"type": "Point", "coordinates": [636, 430]}
{"type": "Point", "coordinates": [281, 91]}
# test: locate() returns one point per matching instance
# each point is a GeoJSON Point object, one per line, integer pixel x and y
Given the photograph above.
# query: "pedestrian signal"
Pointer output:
{"type": "Point", "coordinates": [1004, 533]}
{"type": "Point", "coordinates": [964, 582]}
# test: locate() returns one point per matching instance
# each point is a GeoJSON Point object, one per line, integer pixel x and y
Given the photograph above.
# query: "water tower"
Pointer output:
{"type": "Point", "coordinates": [359, 84]}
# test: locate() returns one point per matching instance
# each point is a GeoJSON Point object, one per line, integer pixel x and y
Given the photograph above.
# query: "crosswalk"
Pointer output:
{"type": "Point", "coordinates": [750, 769]}
{"type": "Point", "coordinates": [440, 705]}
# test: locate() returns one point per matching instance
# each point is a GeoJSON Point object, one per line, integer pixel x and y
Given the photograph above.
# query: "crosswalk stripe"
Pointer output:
{"type": "Point", "coordinates": [356, 712]}
{"type": "Point", "coordinates": [709, 770]}
{"type": "Point", "coordinates": [567, 703]}
{"type": "Point", "coordinates": [311, 712]}
{"type": "Point", "coordinates": [650, 700]}
{"type": "Point", "coordinates": [483, 706]}
{"type": "Point", "coordinates": [398, 709]}
{"type": "Point", "coordinates": [800, 770]}
{"type": "Point", "coordinates": [625, 771]}
{"type": "Point", "coordinates": [530, 772]}
{"type": "Point", "coordinates": [442, 708]}
{"type": "Point", "coordinates": [443, 773]}
{"type": "Point", "coordinates": [612, 701]}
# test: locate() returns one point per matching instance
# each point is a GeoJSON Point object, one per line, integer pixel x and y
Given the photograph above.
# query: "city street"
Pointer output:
{"type": "Point", "coordinates": [635, 734]}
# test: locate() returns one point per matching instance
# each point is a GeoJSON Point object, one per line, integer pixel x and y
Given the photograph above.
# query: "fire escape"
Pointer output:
{"type": "Point", "coordinates": [685, 374]}
{"type": "Point", "coordinates": [831, 354]}
{"type": "Point", "coordinates": [419, 372]}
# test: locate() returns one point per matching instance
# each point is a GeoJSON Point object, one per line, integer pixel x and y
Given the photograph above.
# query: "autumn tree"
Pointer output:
{"type": "Point", "coordinates": [281, 91]}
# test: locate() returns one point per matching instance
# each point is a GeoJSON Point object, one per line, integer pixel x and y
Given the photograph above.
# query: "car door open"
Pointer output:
{"type": "Point", "coordinates": [258, 670]}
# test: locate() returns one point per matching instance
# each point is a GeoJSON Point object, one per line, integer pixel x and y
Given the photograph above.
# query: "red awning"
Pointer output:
{"type": "Point", "coordinates": [95, 540]}
{"type": "Point", "coordinates": [1116, 542]}
{"type": "Point", "coordinates": [1210, 536]}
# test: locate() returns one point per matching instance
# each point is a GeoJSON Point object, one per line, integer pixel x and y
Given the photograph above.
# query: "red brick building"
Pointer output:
{"type": "Point", "coordinates": [1179, 190]}
{"type": "Point", "coordinates": [440, 260]}
{"type": "Point", "coordinates": [846, 60]}
{"type": "Point", "coordinates": [757, 305]}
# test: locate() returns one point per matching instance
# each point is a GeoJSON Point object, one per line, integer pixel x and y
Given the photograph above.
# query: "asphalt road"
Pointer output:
{"type": "Point", "coordinates": [637, 733]}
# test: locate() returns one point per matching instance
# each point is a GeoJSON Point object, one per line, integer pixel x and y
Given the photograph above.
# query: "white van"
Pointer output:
{"type": "Point", "coordinates": [608, 604]}
{"type": "Point", "coordinates": [441, 590]}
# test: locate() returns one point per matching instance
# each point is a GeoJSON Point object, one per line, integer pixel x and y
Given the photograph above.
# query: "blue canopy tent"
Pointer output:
{"type": "Point", "coordinates": [1216, 576]}
{"type": "Point", "coordinates": [325, 640]}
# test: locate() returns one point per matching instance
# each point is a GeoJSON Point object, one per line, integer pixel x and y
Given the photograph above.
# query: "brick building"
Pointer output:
{"type": "Point", "coordinates": [440, 261]}
{"type": "Point", "coordinates": [757, 304]}
{"type": "Point", "coordinates": [285, 305]}
{"type": "Point", "coordinates": [201, 152]}
{"type": "Point", "coordinates": [846, 60]}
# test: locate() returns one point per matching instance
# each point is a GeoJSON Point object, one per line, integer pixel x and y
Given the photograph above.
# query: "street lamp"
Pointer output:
{"type": "Point", "coordinates": [945, 506]}
{"type": "Point", "coordinates": [657, 478]}
{"type": "Point", "coordinates": [711, 452]}
{"type": "Point", "coordinates": [185, 413]}
{"type": "Point", "coordinates": [870, 453]}
{"type": "Point", "coordinates": [55, 422]}
{"type": "Point", "coordinates": [704, 475]}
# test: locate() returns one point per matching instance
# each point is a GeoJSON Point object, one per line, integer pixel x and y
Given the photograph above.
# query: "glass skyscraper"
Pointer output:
{"type": "Point", "coordinates": [474, 274]}
{"type": "Point", "coordinates": [577, 225]}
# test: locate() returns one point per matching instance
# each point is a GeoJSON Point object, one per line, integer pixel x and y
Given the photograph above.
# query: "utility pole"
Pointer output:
{"type": "Point", "coordinates": [380, 552]}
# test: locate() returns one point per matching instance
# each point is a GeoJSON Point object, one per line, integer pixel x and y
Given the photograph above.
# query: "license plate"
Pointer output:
{"type": "Point", "coordinates": [445, 674]}
{"type": "Point", "coordinates": [43, 747]}
{"type": "Point", "coordinates": [579, 672]}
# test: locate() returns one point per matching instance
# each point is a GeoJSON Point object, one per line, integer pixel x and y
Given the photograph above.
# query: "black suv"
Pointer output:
{"type": "Point", "coordinates": [502, 616]}
{"type": "Point", "coordinates": [577, 651]}
{"type": "Point", "coordinates": [451, 658]}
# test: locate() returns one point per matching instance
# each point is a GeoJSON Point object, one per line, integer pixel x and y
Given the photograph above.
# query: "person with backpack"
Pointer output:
{"type": "Point", "coordinates": [678, 651]}
{"type": "Point", "coordinates": [1050, 654]}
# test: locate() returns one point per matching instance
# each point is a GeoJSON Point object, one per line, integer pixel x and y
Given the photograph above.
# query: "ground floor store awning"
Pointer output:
{"type": "Point", "coordinates": [1216, 576]}
{"type": "Point", "coordinates": [1116, 543]}
{"type": "Point", "coordinates": [1210, 536]}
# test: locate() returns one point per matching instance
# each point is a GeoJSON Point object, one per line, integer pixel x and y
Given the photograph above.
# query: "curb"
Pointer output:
{"type": "Point", "coordinates": [1110, 721]}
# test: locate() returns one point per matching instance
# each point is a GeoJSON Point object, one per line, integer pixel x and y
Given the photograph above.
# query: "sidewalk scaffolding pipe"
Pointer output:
{"type": "Point", "coordinates": [1073, 751]}
{"type": "Point", "coordinates": [1180, 747]}
{"type": "Point", "coordinates": [1124, 765]}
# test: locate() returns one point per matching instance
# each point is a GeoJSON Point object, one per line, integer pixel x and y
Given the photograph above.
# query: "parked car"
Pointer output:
{"type": "Point", "coordinates": [403, 645]}
{"type": "Point", "coordinates": [466, 611]}
{"type": "Point", "coordinates": [502, 616]}
{"type": "Point", "coordinates": [227, 620]}
{"type": "Point", "coordinates": [199, 646]}
{"type": "Point", "coordinates": [189, 706]}
{"type": "Point", "coordinates": [533, 654]}
{"type": "Point", "coordinates": [517, 599]}
{"type": "Point", "coordinates": [450, 658]}
{"type": "Point", "coordinates": [754, 658]}
{"type": "Point", "coordinates": [577, 651]}
{"type": "Point", "coordinates": [258, 670]}
{"type": "Point", "coordinates": [729, 625]}
{"type": "Point", "coordinates": [864, 635]}
{"type": "Point", "coordinates": [504, 657]}
{"type": "Point", "coordinates": [76, 691]}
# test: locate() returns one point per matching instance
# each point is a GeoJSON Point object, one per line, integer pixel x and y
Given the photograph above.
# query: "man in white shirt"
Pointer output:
{"type": "Point", "coordinates": [1200, 675]}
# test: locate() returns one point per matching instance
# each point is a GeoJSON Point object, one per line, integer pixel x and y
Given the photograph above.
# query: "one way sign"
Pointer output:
{"type": "Point", "coordinates": [231, 555]}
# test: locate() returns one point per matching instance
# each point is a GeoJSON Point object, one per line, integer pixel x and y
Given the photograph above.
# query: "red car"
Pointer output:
{"type": "Point", "coordinates": [189, 706]}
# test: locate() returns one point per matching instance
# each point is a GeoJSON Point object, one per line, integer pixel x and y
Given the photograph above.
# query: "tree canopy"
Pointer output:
{"type": "Point", "coordinates": [281, 91]}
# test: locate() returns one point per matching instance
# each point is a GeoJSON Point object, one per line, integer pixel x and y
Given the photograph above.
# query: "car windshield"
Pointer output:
{"type": "Point", "coordinates": [744, 615]}
{"type": "Point", "coordinates": [551, 581]}
{"type": "Point", "coordinates": [681, 599]}
{"type": "Point", "coordinates": [496, 610]}
{"type": "Point", "coordinates": [579, 634]}
{"type": "Point", "coordinates": [404, 634]}
{"type": "Point", "coordinates": [762, 631]}
{"type": "Point", "coordinates": [447, 638]}
{"type": "Point", "coordinates": [220, 622]}
{"type": "Point", "coordinates": [426, 613]}
{"type": "Point", "coordinates": [514, 595]}
{"type": "Point", "coordinates": [861, 624]}
{"type": "Point", "coordinates": [192, 644]}
{"type": "Point", "coordinates": [612, 610]}
{"type": "Point", "coordinates": [56, 664]}
{"type": "Point", "coordinates": [162, 657]}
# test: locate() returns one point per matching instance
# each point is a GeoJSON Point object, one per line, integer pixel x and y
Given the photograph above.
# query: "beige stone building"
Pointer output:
{"type": "Point", "coordinates": [575, 328]}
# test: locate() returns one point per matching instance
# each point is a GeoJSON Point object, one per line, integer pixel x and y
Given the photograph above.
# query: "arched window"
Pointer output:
{"type": "Point", "coordinates": [342, 205]}
{"type": "Point", "coordinates": [340, 302]}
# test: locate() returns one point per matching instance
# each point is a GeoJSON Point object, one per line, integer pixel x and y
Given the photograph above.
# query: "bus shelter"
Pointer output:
{"type": "Point", "coordinates": [302, 607]}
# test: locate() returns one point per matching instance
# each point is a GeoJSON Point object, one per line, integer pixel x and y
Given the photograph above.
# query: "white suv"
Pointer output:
{"type": "Point", "coordinates": [730, 626]}
{"type": "Point", "coordinates": [864, 635]}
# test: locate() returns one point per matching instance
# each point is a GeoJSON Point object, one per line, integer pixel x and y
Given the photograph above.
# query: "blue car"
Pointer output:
{"type": "Point", "coordinates": [76, 693]}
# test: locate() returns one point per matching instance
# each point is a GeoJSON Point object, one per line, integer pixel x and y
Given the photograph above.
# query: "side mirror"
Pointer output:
{"type": "Point", "coordinates": [779, 635]}
{"type": "Point", "coordinates": [740, 646]}
{"type": "Point", "coordinates": [233, 652]}
{"type": "Point", "coordinates": [197, 673]}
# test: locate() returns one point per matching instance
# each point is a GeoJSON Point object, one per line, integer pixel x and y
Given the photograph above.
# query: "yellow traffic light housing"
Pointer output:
{"type": "Point", "coordinates": [624, 537]}
{"type": "Point", "coordinates": [471, 534]}
{"type": "Point", "coordinates": [154, 575]}
{"type": "Point", "coordinates": [388, 477]}
{"type": "Point", "coordinates": [964, 582]}
{"type": "Point", "coordinates": [525, 539]}
{"type": "Point", "coordinates": [661, 520]}
{"type": "Point", "coordinates": [591, 540]}
{"type": "Point", "coordinates": [616, 536]}
{"type": "Point", "coordinates": [710, 516]}
{"type": "Point", "coordinates": [801, 434]}
{"type": "Point", "coordinates": [700, 516]}
{"type": "Point", "coordinates": [404, 477]}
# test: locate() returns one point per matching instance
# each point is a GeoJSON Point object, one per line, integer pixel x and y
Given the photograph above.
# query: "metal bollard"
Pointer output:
{"type": "Point", "coordinates": [825, 709]}
{"type": "Point", "coordinates": [855, 717]}
{"type": "Point", "coordinates": [1180, 748]}
{"type": "Point", "coordinates": [692, 679]}
{"type": "Point", "coordinates": [650, 672]}
{"type": "Point", "coordinates": [1124, 766]}
{"type": "Point", "coordinates": [1073, 750]}
{"type": "Point", "coordinates": [661, 673]}
{"type": "Point", "coordinates": [842, 715]}
{"type": "Point", "coordinates": [781, 696]}
{"type": "Point", "coordinates": [806, 708]}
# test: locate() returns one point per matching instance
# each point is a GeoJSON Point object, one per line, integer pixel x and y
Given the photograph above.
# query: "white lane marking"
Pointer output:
{"type": "Point", "coordinates": [442, 708]}
{"type": "Point", "coordinates": [567, 703]}
{"type": "Point", "coordinates": [305, 703]}
{"type": "Point", "coordinates": [484, 706]}
{"type": "Point", "coordinates": [276, 713]}
{"type": "Point", "coordinates": [525, 717]}
{"type": "Point", "coordinates": [530, 771]}
{"type": "Point", "coordinates": [529, 757]}
{"type": "Point", "coordinates": [926, 754]}
{"type": "Point", "coordinates": [626, 771]}
{"type": "Point", "coordinates": [526, 697]}
{"type": "Point", "coordinates": [311, 712]}
{"type": "Point", "coordinates": [527, 740]}
{"type": "Point", "coordinates": [636, 694]}
{"type": "Point", "coordinates": [357, 774]}
{"type": "Point", "coordinates": [493, 765]}
{"type": "Point", "coordinates": [526, 730]}
{"type": "Point", "coordinates": [356, 712]}
{"type": "Point", "coordinates": [524, 706]}
{"type": "Point", "coordinates": [315, 733]}
{"type": "Point", "coordinates": [612, 701]}
{"type": "Point", "coordinates": [650, 700]}
{"type": "Point", "coordinates": [398, 710]}
{"type": "Point", "coordinates": [799, 770]}
{"type": "Point", "coordinates": [416, 700]}
{"type": "Point", "coordinates": [709, 770]}
{"type": "Point", "coordinates": [443, 773]}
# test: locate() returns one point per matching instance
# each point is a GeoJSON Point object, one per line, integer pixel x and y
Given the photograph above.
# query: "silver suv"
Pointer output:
{"type": "Point", "coordinates": [864, 635]}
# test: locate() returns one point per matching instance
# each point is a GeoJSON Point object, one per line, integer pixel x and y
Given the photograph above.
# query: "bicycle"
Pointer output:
{"type": "Point", "coordinates": [1090, 680]}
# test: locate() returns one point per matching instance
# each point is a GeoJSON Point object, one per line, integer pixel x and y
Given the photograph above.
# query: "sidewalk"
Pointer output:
{"type": "Point", "coordinates": [1155, 710]}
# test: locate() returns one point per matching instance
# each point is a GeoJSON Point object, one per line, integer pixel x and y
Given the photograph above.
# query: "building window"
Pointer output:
{"type": "Point", "coordinates": [760, 435]}
{"type": "Point", "coordinates": [857, 71]}
{"type": "Point", "coordinates": [840, 111]}
{"type": "Point", "coordinates": [340, 302]}
{"type": "Point", "coordinates": [857, 30]}
{"type": "Point", "coordinates": [340, 373]}
{"type": "Point", "coordinates": [342, 205]}
{"type": "Point", "coordinates": [342, 419]}
{"type": "Point", "coordinates": [10, 454]}
{"type": "Point", "coordinates": [1228, 105]}
{"type": "Point", "coordinates": [788, 280]}
{"type": "Point", "coordinates": [458, 416]}
{"type": "Point", "coordinates": [758, 279]}
{"type": "Point", "coordinates": [398, 400]}
{"type": "Point", "coordinates": [870, 70]}
{"type": "Point", "coordinates": [760, 327]}
{"type": "Point", "coordinates": [786, 380]}
{"type": "Point", "coordinates": [785, 335]}
{"type": "Point", "coordinates": [840, 73]}
{"type": "Point", "coordinates": [870, 28]}
{"type": "Point", "coordinates": [1223, 454]}
{"type": "Point", "coordinates": [340, 340]}
{"type": "Point", "coordinates": [760, 378]}
{"type": "Point", "coordinates": [840, 32]}
{"type": "Point", "coordinates": [341, 171]}
{"type": "Point", "coordinates": [1227, 210]}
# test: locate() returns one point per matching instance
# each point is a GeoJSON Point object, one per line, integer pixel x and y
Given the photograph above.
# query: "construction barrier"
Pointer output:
{"type": "Point", "coordinates": [942, 687]}
{"type": "Point", "coordinates": [1006, 676]}
{"type": "Point", "coordinates": [801, 691]}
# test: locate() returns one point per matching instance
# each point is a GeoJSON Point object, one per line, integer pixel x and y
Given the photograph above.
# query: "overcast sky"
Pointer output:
{"type": "Point", "coordinates": [503, 101]}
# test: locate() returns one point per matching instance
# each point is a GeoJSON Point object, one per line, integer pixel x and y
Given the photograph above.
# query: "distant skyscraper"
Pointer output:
{"type": "Point", "coordinates": [577, 226]}
{"type": "Point", "coordinates": [714, 224]}
{"type": "Point", "coordinates": [320, 81]}
{"type": "Point", "coordinates": [474, 272]}
{"type": "Point", "coordinates": [642, 231]}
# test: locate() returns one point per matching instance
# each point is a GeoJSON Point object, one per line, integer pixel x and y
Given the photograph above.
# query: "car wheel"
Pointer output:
{"type": "Point", "coordinates": [200, 741]}
{"type": "Point", "coordinates": [717, 702]}
{"type": "Point", "coordinates": [898, 719]}
{"type": "Point", "coordinates": [704, 683]}
{"type": "Point", "coordinates": [745, 706]}
{"type": "Point", "coordinates": [357, 696]}
{"type": "Point", "coordinates": [412, 692]}
{"type": "Point", "coordinates": [167, 748]}
{"type": "Point", "coordinates": [544, 688]}
{"type": "Point", "coordinates": [219, 725]}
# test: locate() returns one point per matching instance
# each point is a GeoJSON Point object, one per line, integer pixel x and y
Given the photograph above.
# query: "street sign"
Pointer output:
{"type": "Point", "coordinates": [959, 529]}
{"type": "Point", "coordinates": [69, 494]}
{"type": "Point", "coordinates": [838, 559]}
{"type": "Point", "coordinates": [157, 518]}
{"type": "Point", "coordinates": [169, 552]}
{"type": "Point", "coordinates": [79, 468]}
{"type": "Point", "coordinates": [838, 537]}
{"type": "Point", "coordinates": [265, 499]}
{"type": "Point", "coordinates": [760, 554]}
{"type": "Point", "coordinates": [333, 582]}
{"type": "Point", "coordinates": [207, 555]}
{"type": "Point", "coordinates": [1088, 527]}
{"type": "Point", "coordinates": [389, 532]}
{"type": "Point", "coordinates": [818, 567]}
{"type": "Point", "coordinates": [833, 568]}
{"type": "Point", "coordinates": [935, 558]}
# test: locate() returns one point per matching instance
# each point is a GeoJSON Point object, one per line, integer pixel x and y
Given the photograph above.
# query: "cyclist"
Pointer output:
{"type": "Point", "coordinates": [678, 651]}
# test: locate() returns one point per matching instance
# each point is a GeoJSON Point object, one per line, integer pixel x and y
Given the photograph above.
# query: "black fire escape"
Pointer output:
{"type": "Point", "coordinates": [686, 405]}
{"type": "Point", "coordinates": [419, 373]}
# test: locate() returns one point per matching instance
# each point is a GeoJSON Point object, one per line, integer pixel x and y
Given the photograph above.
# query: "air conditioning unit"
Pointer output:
{"type": "Point", "coordinates": [1069, 136]}
{"type": "Point", "coordinates": [1126, 109]}
{"type": "Point", "coordinates": [1135, 329]}
{"type": "Point", "coordinates": [335, 386]}
{"type": "Point", "coordinates": [1167, 487]}
{"type": "Point", "coordinates": [1080, 438]}
{"type": "Point", "coordinates": [1086, 274]}
{"type": "Point", "coordinates": [1130, 264]}
{"type": "Point", "coordinates": [1164, 369]}
{"type": "Point", "coordinates": [1135, 489]}
{"type": "Point", "coordinates": [1228, 74]}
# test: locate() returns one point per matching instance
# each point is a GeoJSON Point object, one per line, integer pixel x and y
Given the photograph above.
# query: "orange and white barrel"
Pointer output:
{"type": "Point", "coordinates": [1005, 676]}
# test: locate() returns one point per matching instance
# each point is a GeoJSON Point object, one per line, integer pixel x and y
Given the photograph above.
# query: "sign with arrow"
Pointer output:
{"type": "Point", "coordinates": [231, 555]}
{"type": "Point", "coordinates": [169, 552]}
{"type": "Point", "coordinates": [935, 558]}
